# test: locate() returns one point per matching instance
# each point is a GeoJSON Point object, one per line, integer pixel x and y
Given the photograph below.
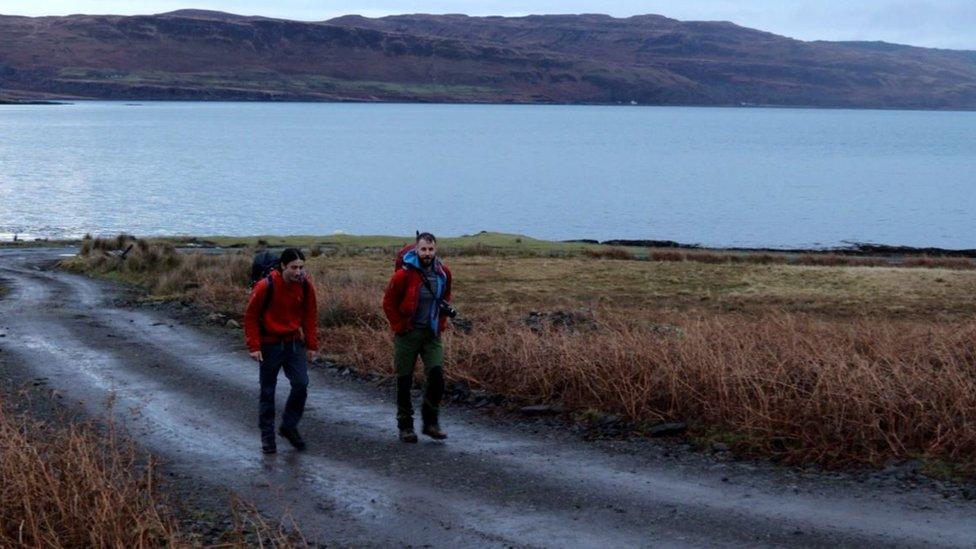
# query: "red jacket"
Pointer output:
{"type": "Point", "coordinates": [285, 316]}
{"type": "Point", "coordinates": [402, 296]}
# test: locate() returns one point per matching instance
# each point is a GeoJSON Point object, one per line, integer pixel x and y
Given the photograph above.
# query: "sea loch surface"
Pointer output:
{"type": "Point", "coordinates": [714, 176]}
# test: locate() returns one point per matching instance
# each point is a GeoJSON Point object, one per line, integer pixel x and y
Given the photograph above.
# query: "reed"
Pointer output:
{"type": "Point", "coordinates": [72, 486]}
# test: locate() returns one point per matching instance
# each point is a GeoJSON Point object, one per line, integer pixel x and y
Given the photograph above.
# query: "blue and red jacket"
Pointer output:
{"type": "Point", "coordinates": [402, 295]}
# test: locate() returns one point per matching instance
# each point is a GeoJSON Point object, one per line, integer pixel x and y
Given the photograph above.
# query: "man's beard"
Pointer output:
{"type": "Point", "coordinates": [427, 262]}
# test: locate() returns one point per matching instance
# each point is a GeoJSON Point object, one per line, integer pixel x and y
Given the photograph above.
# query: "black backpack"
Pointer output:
{"type": "Point", "coordinates": [264, 262]}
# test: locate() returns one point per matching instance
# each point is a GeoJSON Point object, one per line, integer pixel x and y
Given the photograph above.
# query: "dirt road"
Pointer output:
{"type": "Point", "coordinates": [190, 396]}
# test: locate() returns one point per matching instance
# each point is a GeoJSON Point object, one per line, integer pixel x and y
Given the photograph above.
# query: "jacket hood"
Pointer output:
{"type": "Point", "coordinates": [412, 259]}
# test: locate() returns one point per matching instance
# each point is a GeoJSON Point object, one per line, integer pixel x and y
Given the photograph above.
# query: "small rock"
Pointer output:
{"type": "Point", "coordinates": [720, 447]}
{"type": "Point", "coordinates": [902, 470]}
{"type": "Point", "coordinates": [668, 429]}
{"type": "Point", "coordinates": [541, 410]}
{"type": "Point", "coordinates": [461, 387]}
{"type": "Point", "coordinates": [233, 324]}
{"type": "Point", "coordinates": [912, 467]}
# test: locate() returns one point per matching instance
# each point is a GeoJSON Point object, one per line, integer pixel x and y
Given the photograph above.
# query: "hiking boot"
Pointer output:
{"type": "Point", "coordinates": [268, 445]}
{"type": "Point", "coordinates": [434, 432]}
{"type": "Point", "coordinates": [292, 436]}
{"type": "Point", "coordinates": [407, 435]}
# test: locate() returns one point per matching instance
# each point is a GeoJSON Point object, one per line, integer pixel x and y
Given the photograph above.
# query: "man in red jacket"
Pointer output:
{"type": "Point", "coordinates": [279, 327]}
{"type": "Point", "coordinates": [416, 304]}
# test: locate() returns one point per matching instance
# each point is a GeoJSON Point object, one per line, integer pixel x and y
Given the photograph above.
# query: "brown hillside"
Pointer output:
{"type": "Point", "coordinates": [650, 59]}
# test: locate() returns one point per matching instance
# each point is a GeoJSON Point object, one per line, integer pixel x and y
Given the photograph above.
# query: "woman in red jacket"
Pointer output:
{"type": "Point", "coordinates": [280, 329]}
{"type": "Point", "coordinates": [414, 303]}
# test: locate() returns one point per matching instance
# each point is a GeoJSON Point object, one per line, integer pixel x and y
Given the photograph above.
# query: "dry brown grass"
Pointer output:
{"type": "Point", "coordinates": [609, 253]}
{"type": "Point", "coordinates": [836, 365]}
{"type": "Point", "coordinates": [666, 255]}
{"type": "Point", "coordinates": [800, 388]}
{"type": "Point", "coordinates": [822, 259]}
{"type": "Point", "coordinates": [806, 389]}
{"type": "Point", "coordinates": [941, 262]}
{"type": "Point", "coordinates": [71, 484]}
{"type": "Point", "coordinates": [74, 487]}
{"type": "Point", "coordinates": [836, 260]}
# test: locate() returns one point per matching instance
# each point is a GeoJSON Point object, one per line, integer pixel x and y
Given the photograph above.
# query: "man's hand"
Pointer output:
{"type": "Point", "coordinates": [256, 355]}
{"type": "Point", "coordinates": [309, 355]}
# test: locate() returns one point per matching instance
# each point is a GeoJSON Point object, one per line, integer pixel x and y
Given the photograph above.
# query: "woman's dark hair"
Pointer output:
{"type": "Point", "coordinates": [290, 254]}
{"type": "Point", "coordinates": [429, 237]}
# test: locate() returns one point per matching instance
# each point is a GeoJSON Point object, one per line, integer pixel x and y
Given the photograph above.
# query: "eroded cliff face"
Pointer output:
{"type": "Point", "coordinates": [194, 54]}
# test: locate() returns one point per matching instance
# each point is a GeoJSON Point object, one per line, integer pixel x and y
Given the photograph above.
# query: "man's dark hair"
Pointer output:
{"type": "Point", "coordinates": [291, 254]}
{"type": "Point", "coordinates": [426, 236]}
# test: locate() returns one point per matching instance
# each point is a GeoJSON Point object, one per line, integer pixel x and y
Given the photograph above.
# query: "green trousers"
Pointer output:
{"type": "Point", "coordinates": [407, 347]}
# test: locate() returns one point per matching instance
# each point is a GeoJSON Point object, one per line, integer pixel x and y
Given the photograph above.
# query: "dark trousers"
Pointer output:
{"type": "Point", "coordinates": [289, 355]}
{"type": "Point", "coordinates": [407, 347]}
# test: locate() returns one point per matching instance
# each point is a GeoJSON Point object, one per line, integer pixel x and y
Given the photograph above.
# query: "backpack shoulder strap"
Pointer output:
{"type": "Point", "coordinates": [450, 281]}
{"type": "Point", "coordinates": [269, 289]}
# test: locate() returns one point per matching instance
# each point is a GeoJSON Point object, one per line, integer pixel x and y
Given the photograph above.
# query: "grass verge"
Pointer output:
{"type": "Point", "coordinates": [74, 484]}
{"type": "Point", "coordinates": [71, 486]}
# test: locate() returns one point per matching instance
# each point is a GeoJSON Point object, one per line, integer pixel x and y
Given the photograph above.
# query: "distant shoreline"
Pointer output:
{"type": "Point", "coordinates": [30, 102]}
{"type": "Point", "coordinates": [130, 102]}
{"type": "Point", "coordinates": [850, 249]}
{"type": "Point", "coordinates": [854, 248]}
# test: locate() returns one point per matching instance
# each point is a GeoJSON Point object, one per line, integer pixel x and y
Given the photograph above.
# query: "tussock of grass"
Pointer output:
{"type": "Point", "coordinates": [609, 253]}
{"type": "Point", "coordinates": [71, 484]}
{"type": "Point", "coordinates": [834, 364]}
{"type": "Point", "coordinates": [835, 260]}
{"type": "Point", "coordinates": [74, 487]}
{"type": "Point", "coordinates": [960, 263]}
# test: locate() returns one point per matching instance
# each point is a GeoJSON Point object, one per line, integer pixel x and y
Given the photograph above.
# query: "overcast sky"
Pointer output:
{"type": "Point", "coordinates": [933, 23]}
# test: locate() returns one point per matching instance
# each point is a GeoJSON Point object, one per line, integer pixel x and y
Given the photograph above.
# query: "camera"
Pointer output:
{"type": "Point", "coordinates": [448, 310]}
